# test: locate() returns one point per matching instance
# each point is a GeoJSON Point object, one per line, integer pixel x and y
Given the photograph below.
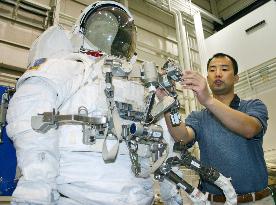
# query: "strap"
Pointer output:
{"type": "Point", "coordinates": [114, 121]}
{"type": "Point", "coordinates": [109, 156]}
{"type": "Point", "coordinates": [117, 123]}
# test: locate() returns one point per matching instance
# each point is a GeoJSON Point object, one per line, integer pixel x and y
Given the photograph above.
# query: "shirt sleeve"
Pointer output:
{"type": "Point", "coordinates": [193, 121]}
{"type": "Point", "coordinates": [256, 108]}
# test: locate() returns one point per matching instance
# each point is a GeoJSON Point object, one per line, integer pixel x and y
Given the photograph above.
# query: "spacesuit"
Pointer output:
{"type": "Point", "coordinates": [67, 75]}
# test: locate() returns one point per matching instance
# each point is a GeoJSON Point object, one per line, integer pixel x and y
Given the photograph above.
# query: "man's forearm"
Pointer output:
{"type": "Point", "coordinates": [240, 123]}
{"type": "Point", "coordinates": [180, 132]}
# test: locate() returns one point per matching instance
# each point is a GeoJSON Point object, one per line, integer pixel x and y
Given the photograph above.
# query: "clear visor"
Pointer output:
{"type": "Point", "coordinates": [112, 31]}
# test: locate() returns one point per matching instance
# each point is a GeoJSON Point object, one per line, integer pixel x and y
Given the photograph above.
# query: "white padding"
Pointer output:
{"type": "Point", "coordinates": [228, 189]}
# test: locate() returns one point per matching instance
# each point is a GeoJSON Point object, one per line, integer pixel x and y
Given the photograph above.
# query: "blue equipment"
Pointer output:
{"type": "Point", "coordinates": [8, 162]}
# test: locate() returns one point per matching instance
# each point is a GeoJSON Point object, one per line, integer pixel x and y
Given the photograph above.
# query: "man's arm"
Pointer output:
{"type": "Point", "coordinates": [239, 122]}
{"type": "Point", "coordinates": [181, 132]}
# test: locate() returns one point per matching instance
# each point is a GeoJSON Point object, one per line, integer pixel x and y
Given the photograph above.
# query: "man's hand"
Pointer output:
{"type": "Point", "coordinates": [197, 83]}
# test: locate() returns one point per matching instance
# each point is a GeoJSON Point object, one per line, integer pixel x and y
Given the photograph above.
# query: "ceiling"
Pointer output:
{"type": "Point", "coordinates": [228, 10]}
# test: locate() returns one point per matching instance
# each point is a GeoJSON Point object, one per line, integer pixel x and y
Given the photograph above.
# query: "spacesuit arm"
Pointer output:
{"type": "Point", "coordinates": [37, 154]}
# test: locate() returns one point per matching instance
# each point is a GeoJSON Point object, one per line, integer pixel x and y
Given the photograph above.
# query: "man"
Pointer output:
{"type": "Point", "coordinates": [229, 132]}
{"type": "Point", "coordinates": [68, 164]}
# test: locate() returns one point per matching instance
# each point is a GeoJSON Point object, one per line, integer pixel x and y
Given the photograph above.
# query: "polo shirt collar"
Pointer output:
{"type": "Point", "coordinates": [235, 103]}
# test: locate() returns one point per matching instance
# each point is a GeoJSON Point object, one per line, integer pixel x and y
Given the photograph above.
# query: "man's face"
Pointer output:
{"type": "Point", "coordinates": [221, 78]}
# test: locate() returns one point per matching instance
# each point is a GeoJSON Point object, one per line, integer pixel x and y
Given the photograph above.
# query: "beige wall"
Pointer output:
{"type": "Point", "coordinates": [268, 97]}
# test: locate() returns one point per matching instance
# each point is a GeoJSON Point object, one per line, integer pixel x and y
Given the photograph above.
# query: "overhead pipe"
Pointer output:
{"type": "Point", "coordinates": [179, 42]}
{"type": "Point", "coordinates": [189, 97]}
{"type": "Point", "coordinates": [182, 53]}
{"type": "Point", "coordinates": [56, 12]}
{"type": "Point", "coordinates": [184, 41]}
{"type": "Point", "coordinates": [182, 5]}
{"type": "Point", "coordinates": [193, 7]}
{"type": "Point", "coordinates": [200, 42]}
{"type": "Point", "coordinates": [201, 46]}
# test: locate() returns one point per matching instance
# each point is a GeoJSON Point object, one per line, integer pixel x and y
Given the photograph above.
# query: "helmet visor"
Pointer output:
{"type": "Point", "coordinates": [112, 31]}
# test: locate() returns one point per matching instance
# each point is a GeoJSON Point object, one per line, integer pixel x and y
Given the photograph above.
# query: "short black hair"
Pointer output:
{"type": "Point", "coordinates": [234, 62]}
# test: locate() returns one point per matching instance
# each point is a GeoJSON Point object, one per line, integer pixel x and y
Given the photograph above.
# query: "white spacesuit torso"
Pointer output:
{"type": "Point", "coordinates": [80, 164]}
{"type": "Point", "coordinates": [91, 95]}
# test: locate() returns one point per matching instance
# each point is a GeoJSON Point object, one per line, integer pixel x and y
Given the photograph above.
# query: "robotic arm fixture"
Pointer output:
{"type": "Point", "coordinates": [154, 80]}
{"type": "Point", "coordinates": [145, 132]}
{"type": "Point", "coordinates": [207, 173]}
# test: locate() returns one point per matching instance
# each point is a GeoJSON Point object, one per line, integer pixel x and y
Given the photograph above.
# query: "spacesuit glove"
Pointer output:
{"type": "Point", "coordinates": [34, 193]}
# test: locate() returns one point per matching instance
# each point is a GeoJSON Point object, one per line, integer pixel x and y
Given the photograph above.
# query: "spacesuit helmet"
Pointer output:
{"type": "Point", "coordinates": [106, 26]}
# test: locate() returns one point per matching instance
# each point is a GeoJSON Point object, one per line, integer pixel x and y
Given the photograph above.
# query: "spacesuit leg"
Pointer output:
{"type": "Point", "coordinates": [37, 154]}
{"type": "Point", "coordinates": [85, 179]}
